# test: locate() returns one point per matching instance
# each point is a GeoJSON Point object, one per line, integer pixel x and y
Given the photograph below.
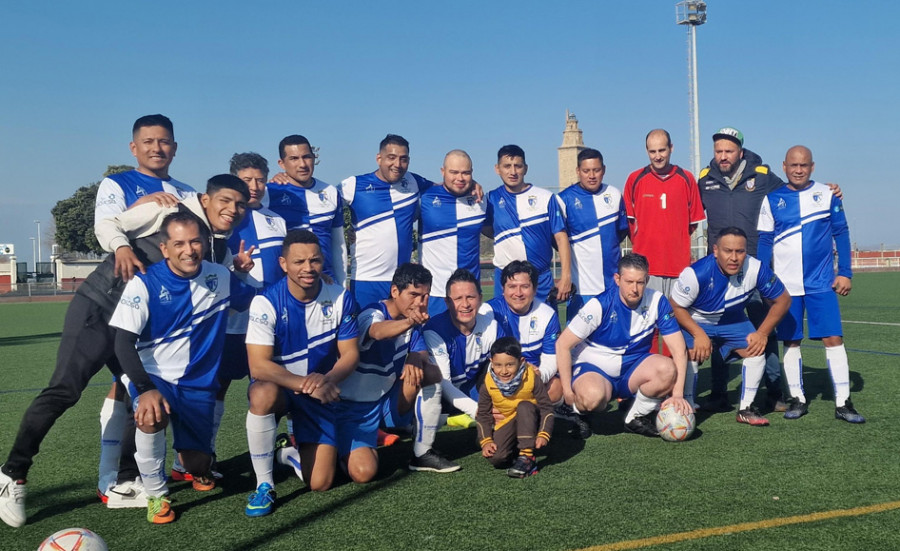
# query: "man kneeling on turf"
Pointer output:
{"type": "Point", "coordinates": [170, 335]}
{"type": "Point", "coordinates": [301, 343]}
{"type": "Point", "coordinates": [395, 378]}
{"type": "Point", "coordinates": [609, 344]}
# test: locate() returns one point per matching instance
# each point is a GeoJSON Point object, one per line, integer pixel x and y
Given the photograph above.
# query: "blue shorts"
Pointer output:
{"type": "Point", "coordinates": [358, 422]}
{"type": "Point", "coordinates": [545, 284]}
{"type": "Point", "coordinates": [234, 364]}
{"type": "Point", "coordinates": [823, 318]}
{"type": "Point", "coordinates": [726, 338]}
{"type": "Point", "coordinates": [436, 305]}
{"type": "Point", "coordinates": [369, 292]}
{"type": "Point", "coordinates": [620, 383]}
{"type": "Point", "coordinates": [191, 416]}
{"type": "Point", "coordinates": [314, 422]}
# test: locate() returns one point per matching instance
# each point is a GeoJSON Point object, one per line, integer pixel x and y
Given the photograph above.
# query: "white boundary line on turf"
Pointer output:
{"type": "Point", "coordinates": [873, 323]}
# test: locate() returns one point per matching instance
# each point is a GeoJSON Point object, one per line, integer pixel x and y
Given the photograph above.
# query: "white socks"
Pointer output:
{"type": "Point", "coordinates": [836, 357]}
{"type": "Point", "coordinates": [113, 418]}
{"type": "Point", "coordinates": [643, 405]}
{"type": "Point", "coordinates": [150, 456]}
{"type": "Point", "coordinates": [428, 416]}
{"type": "Point", "coordinates": [261, 441]}
{"type": "Point", "coordinates": [793, 372]}
{"type": "Point", "coordinates": [690, 382]}
{"type": "Point", "coordinates": [751, 374]}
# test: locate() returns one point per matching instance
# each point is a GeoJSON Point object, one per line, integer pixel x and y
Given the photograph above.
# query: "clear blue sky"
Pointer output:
{"type": "Point", "coordinates": [471, 75]}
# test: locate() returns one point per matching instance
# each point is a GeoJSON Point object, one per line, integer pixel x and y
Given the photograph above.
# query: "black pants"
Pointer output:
{"type": "Point", "coordinates": [518, 433]}
{"type": "Point", "coordinates": [86, 346]}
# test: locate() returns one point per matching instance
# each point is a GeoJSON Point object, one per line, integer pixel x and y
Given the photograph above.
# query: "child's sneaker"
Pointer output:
{"type": "Point", "coordinates": [524, 465]}
{"type": "Point", "coordinates": [159, 510]}
{"type": "Point", "coordinates": [12, 500]}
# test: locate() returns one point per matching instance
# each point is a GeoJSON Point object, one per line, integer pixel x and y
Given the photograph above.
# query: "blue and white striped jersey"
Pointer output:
{"type": "Point", "coordinates": [714, 298]}
{"type": "Point", "coordinates": [596, 223]}
{"type": "Point", "coordinates": [180, 322]}
{"type": "Point", "coordinates": [524, 224]}
{"type": "Point", "coordinates": [318, 209]}
{"type": "Point", "coordinates": [459, 356]}
{"type": "Point", "coordinates": [613, 333]}
{"type": "Point", "coordinates": [449, 235]}
{"type": "Point", "coordinates": [117, 192]}
{"type": "Point", "coordinates": [265, 230]}
{"type": "Point", "coordinates": [800, 229]}
{"type": "Point", "coordinates": [303, 335]}
{"type": "Point", "coordinates": [536, 330]}
{"type": "Point", "coordinates": [380, 362]}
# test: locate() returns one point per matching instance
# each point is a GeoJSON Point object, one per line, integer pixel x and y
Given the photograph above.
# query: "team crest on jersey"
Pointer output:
{"type": "Point", "coordinates": [644, 311]}
{"type": "Point", "coordinates": [712, 284]}
{"type": "Point", "coordinates": [750, 184]}
{"type": "Point", "coordinates": [327, 309]}
{"type": "Point", "coordinates": [322, 196]}
{"type": "Point", "coordinates": [532, 201]}
{"type": "Point", "coordinates": [739, 277]}
{"type": "Point", "coordinates": [817, 197]}
{"type": "Point", "coordinates": [436, 202]}
{"type": "Point", "coordinates": [212, 282]}
{"type": "Point", "coordinates": [165, 297]}
{"type": "Point", "coordinates": [478, 340]}
{"type": "Point", "coordinates": [270, 221]}
{"type": "Point", "coordinates": [404, 185]}
{"type": "Point", "coordinates": [470, 201]}
{"type": "Point", "coordinates": [578, 204]}
{"type": "Point", "coordinates": [533, 323]}
{"type": "Point", "coordinates": [607, 198]}
{"type": "Point", "coordinates": [285, 199]}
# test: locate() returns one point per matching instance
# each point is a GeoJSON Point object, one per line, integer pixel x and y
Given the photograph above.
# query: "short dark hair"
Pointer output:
{"type": "Point", "coordinates": [183, 217]}
{"type": "Point", "coordinates": [589, 153]}
{"type": "Point", "coordinates": [409, 274]}
{"type": "Point", "coordinates": [633, 260]}
{"type": "Point", "coordinates": [519, 267]}
{"type": "Point", "coordinates": [507, 345]}
{"type": "Point", "coordinates": [462, 275]}
{"type": "Point", "coordinates": [153, 120]}
{"type": "Point", "coordinates": [304, 237]}
{"type": "Point", "coordinates": [510, 151]}
{"type": "Point", "coordinates": [241, 161]}
{"type": "Point", "coordinates": [666, 132]}
{"type": "Point", "coordinates": [731, 230]}
{"type": "Point", "coordinates": [393, 139]}
{"type": "Point", "coordinates": [227, 181]}
{"type": "Point", "coordinates": [293, 139]}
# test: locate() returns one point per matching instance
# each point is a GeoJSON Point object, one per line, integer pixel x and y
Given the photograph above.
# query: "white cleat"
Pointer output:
{"type": "Point", "coordinates": [127, 495]}
{"type": "Point", "coordinates": [12, 501]}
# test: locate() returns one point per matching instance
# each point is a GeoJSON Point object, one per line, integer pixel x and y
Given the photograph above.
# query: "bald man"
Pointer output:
{"type": "Point", "coordinates": [797, 225]}
{"type": "Point", "coordinates": [450, 227]}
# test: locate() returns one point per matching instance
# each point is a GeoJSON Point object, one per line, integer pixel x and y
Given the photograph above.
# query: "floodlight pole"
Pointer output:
{"type": "Point", "coordinates": [693, 14]}
{"type": "Point", "coordinates": [39, 259]}
{"type": "Point", "coordinates": [33, 254]}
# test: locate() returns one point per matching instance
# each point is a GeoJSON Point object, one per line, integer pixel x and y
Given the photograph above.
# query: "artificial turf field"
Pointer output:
{"type": "Point", "coordinates": [814, 483]}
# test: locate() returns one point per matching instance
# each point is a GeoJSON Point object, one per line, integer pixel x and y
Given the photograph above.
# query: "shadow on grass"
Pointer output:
{"type": "Point", "coordinates": [30, 339]}
{"type": "Point", "coordinates": [817, 383]}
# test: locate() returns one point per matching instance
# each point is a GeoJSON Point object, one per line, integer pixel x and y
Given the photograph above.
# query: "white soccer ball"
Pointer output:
{"type": "Point", "coordinates": [73, 539]}
{"type": "Point", "coordinates": [673, 426]}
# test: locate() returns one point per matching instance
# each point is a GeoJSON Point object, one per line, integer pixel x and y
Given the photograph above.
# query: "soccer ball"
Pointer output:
{"type": "Point", "coordinates": [673, 426]}
{"type": "Point", "coordinates": [73, 539]}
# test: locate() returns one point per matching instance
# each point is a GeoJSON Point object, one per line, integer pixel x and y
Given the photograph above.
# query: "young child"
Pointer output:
{"type": "Point", "coordinates": [512, 386]}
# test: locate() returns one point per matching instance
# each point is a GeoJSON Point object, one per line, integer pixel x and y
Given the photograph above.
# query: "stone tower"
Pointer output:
{"type": "Point", "coordinates": [572, 145]}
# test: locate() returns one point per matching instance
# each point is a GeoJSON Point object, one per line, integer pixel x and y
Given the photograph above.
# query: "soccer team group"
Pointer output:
{"type": "Point", "coordinates": [255, 277]}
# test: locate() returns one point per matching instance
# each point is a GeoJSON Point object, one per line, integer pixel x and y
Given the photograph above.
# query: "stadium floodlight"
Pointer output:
{"type": "Point", "coordinates": [39, 259]}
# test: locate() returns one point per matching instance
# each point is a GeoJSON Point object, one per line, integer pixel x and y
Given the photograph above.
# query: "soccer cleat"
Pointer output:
{"type": "Point", "coordinates": [434, 462]}
{"type": "Point", "coordinates": [796, 409]}
{"type": "Point", "coordinates": [847, 413]}
{"type": "Point", "coordinates": [751, 416]}
{"type": "Point", "coordinates": [159, 510]}
{"type": "Point", "coordinates": [523, 466]}
{"type": "Point", "coordinates": [645, 425]}
{"type": "Point", "coordinates": [127, 495]}
{"type": "Point", "coordinates": [203, 483]}
{"type": "Point", "coordinates": [386, 438]}
{"type": "Point", "coordinates": [282, 441]}
{"type": "Point", "coordinates": [180, 475]}
{"type": "Point", "coordinates": [12, 500]}
{"type": "Point", "coordinates": [582, 428]}
{"type": "Point", "coordinates": [462, 421]}
{"type": "Point", "coordinates": [102, 496]}
{"type": "Point", "coordinates": [261, 502]}
{"type": "Point", "coordinates": [717, 402]}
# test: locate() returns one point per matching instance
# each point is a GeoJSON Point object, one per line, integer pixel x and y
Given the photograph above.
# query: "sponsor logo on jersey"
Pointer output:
{"type": "Point", "coordinates": [327, 309]}
{"type": "Point", "coordinates": [750, 184]}
{"type": "Point", "coordinates": [108, 200]}
{"type": "Point", "coordinates": [441, 350]}
{"type": "Point", "coordinates": [263, 319]}
{"type": "Point", "coordinates": [838, 208]}
{"type": "Point", "coordinates": [587, 317]}
{"type": "Point", "coordinates": [712, 186]}
{"type": "Point", "coordinates": [165, 297]}
{"type": "Point", "coordinates": [686, 289]}
{"type": "Point", "coordinates": [135, 302]}
{"type": "Point", "coordinates": [212, 282]}
{"type": "Point", "coordinates": [712, 283]}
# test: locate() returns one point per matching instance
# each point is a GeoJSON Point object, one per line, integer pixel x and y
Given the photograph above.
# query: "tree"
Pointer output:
{"type": "Point", "coordinates": [74, 217]}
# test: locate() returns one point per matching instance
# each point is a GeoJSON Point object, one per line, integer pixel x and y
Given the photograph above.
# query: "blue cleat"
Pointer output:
{"type": "Point", "coordinates": [261, 502]}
